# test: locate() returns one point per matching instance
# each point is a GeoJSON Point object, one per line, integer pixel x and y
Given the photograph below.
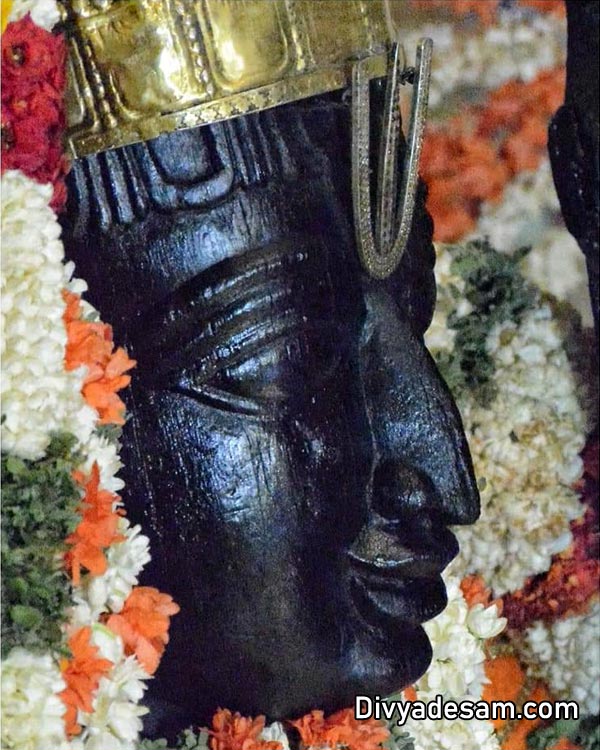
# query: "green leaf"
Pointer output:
{"type": "Point", "coordinates": [584, 732]}
{"type": "Point", "coordinates": [39, 501]}
{"type": "Point", "coordinates": [498, 292]}
{"type": "Point", "coordinates": [25, 617]}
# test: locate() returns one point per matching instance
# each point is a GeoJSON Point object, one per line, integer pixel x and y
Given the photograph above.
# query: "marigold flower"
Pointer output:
{"type": "Point", "coordinates": [311, 728]}
{"type": "Point", "coordinates": [358, 734]}
{"type": "Point", "coordinates": [82, 674]}
{"type": "Point", "coordinates": [471, 158]}
{"type": "Point", "coordinates": [506, 679]}
{"type": "Point", "coordinates": [554, 7]}
{"type": "Point", "coordinates": [143, 624]}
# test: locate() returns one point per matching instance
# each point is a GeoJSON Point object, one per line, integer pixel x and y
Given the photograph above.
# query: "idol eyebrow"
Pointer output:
{"type": "Point", "coordinates": [228, 311]}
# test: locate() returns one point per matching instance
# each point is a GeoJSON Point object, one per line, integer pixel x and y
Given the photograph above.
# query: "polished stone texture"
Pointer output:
{"type": "Point", "coordinates": [292, 451]}
{"type": "Point", "coordinates": [574, 139]}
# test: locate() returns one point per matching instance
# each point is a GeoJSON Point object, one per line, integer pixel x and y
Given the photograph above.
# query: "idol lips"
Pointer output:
{"type": "Point", "coordinates": [390, 581]}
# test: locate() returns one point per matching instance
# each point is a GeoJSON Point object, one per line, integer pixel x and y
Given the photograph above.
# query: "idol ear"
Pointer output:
{"type": "Point", "coordinates": [413, 416]}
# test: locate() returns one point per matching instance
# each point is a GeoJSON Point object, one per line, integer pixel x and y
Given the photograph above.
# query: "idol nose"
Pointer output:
{"type": "Point", "coordinates": [400, 493]}
{"type": "Point", "coordinates": [424, 464]}
{"type": "Point", "coordinates": [406, 535]}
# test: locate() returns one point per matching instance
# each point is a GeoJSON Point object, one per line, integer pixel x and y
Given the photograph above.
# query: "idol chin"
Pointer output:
{"type": "Point", "coordinates": [385, 661]}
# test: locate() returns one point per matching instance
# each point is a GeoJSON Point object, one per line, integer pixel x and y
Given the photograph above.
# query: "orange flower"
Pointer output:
{"type": "Point", "coordinates": [143, 624]}
{"type": "Point", "coordinates": [475, 592]}
{"type": "Point", "coordinates": [341, 728]}
{"type": "Point", "coordinates": [517, 738]}
{"type": "Point", "coordinates": [311, 728]}
{"type": "Point", "coordinates": [461, 169]}
{"type": "Point", "coordinates": [366, 734]}
{"type": "Point", "coordinates": [484, 10]}
{"type": "Point", "coordinates": [553, 7]}
{"type": "Point", "coordinates": [237, 732]}
{"type": "Point", "coordinates": [91, 344]}
{"type": "Point", "coordinates": [469, 159]}
{"type": "Point", "coordinates": [82, 674]}
{"type": "Point", "coordinates": [506, 679]}
{"type": "Point", "coordinates": [564, 744]}
{"type": "Point", "coordinates": [96, 531]}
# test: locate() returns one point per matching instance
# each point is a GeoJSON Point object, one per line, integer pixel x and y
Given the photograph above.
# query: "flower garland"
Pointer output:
{"type": "Point", "coordinates": [519, 400]}
{"type": "Point", "coordinates": [491, 331]}
{"type": "Point", "coordinates": [80, 638]}
{"type": "Point", "coordinates": [486, 164]}
{"type": "Point", "coordinates": [460, 636]}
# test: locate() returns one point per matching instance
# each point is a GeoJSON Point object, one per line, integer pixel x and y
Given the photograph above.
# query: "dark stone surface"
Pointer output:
{"type": "Point", "coordinates": [573, 137]}
{"type": "Point", "coordinates": [292, 452]}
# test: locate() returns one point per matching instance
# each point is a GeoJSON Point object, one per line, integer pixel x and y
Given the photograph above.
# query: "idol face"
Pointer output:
{"type": "Point", "coordinates": [292, 451]}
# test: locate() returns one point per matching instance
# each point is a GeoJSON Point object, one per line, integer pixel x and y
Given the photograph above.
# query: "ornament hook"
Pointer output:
{"type": "Point", "coordinates": [381, 253]}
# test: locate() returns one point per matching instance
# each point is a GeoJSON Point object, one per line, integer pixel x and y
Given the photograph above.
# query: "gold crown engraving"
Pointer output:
{"type": "Point", "coordinates": [139, 68]}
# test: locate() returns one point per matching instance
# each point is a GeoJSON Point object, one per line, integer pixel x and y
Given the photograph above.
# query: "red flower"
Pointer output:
{"type": "Point", "coordinates": [33, 119]}
{"type": "Point", "coordinates": [572, 582]}
{"type": "Point", "coordinates": [25, 144]}
{"type": "Point", "coordinates": [31, 55]}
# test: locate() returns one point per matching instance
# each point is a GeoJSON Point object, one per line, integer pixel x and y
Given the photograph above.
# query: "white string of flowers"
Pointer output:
{"type": "Point", "coordinates": [525, 444]}
{"type": "Point", "coordinates": [39, 397]}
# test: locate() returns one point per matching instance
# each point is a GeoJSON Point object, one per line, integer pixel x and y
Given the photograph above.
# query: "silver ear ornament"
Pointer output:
{"type": "Point", "coordinates": [381, 251]}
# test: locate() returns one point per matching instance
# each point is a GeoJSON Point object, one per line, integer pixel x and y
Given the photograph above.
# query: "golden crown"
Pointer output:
{"type": "Point", "coordinates": [139, 68]}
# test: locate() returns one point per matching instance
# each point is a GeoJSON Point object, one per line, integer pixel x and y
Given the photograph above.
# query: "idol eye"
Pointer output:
{"type": "Point", "coordinates": [289, 370]}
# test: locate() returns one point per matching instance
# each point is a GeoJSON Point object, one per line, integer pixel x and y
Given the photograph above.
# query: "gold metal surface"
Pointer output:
{"type": "Point", "coordinates": [139, 68]}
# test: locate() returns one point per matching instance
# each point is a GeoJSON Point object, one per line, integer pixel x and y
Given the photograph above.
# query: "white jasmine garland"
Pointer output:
{"type": "Point", "coordinates": [38, 396]}
{"type": "Point", "coordinates": [44, 13]}
{"type": "Point", "coordinates": [32, 712]}
{"type": "Point", "coordinates": [565, 655]}
{"type": "Point", "coordinates": [105, 452]}
{"type": "Point", "coordinates": [456, 673]}
{"type": "Point", "coordinates": [529, 216]}
{"type": "Point", "coordinates": [108, 592]}
{"type": "Point", "coordinates": [115, 721]}
{"type": "Point", "coordinates": [439, 337]}
{"type": "Point", "coordinates": [526, 445]}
